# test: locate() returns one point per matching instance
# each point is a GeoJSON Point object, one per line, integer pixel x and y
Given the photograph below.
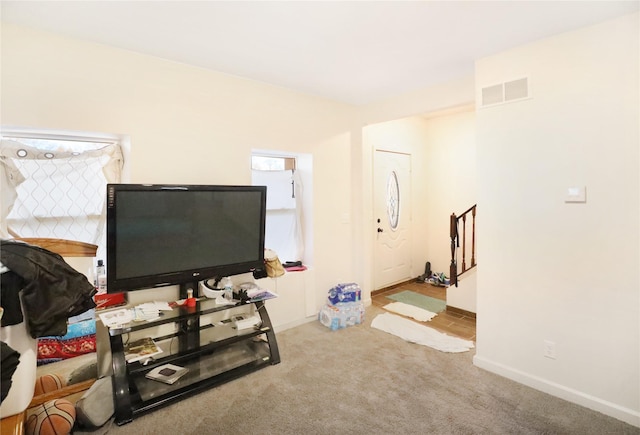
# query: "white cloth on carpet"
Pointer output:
{"type": "Point", "coordinates": [417, 313]}
{"type": "Point", "coordinates": [420, 334]}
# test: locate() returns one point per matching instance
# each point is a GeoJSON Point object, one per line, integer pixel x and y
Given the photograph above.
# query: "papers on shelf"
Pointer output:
{"type": "Point", "coordinates": [220, 300]}
{"type": "Point", "coordinates": [260, 294]}
{"type": "Point", "coordinates": [141, 349]}
{"type": "Point", "coordinates": [116, 318]}
{"type": "Point", "coordinates": [149, 310]}
{"type": "Point", "coordinates": [146, 311]}
{"type": "Point", "coordinates": [160, 305]}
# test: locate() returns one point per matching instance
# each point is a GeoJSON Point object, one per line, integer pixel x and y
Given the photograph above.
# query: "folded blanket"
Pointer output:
{"type": "Point", "coordinates": [417, 313]}
{"type": "Point", "coordinates": [79, 340]}
{"type": "Point", "coordinates": [415, 333]}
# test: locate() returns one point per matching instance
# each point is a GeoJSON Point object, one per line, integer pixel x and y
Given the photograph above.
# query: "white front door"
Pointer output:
{"type": "Point", "coordinates": [392, 215]}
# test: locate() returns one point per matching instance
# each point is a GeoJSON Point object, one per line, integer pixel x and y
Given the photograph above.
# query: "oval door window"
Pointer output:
{"type": "Point", "coordinates": [393, 200]}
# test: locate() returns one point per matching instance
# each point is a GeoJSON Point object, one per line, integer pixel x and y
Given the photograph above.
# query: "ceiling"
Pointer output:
{"type": "Point", "coordinates": [356, 52]}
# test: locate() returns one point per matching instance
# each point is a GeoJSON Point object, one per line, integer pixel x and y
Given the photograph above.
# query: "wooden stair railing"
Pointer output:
{"type": "Point", "coordinates": [454, 233]}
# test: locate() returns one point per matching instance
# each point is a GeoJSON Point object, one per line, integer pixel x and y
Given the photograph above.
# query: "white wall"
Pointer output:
{"type": "Point", "coordinates": [450, 177]}
{"type": "Point", "coordinates": [405, 136]}
{"type": "Point", "coordinates": [567, 273]}
{"type": "Point", "coordinates": [394, 115]}
{"type": "Point", "coordinates": [443, 159]}
{"type": "Point", "coordinates": [451, 182]}
{"type": "Point", "coordinates": [186, 125]}
{"type": "Point", "coordinates": [465, 295]}
{"type": "Point", "coordinates": [572, 276]}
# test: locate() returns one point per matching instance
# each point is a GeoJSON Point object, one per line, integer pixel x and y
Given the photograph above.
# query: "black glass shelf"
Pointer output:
{"type": "Point", "coordinates": [203, 306]}
{"type": "Point", "coordinates": [205, 371]}
{"type": "Point", "coordinates": [212, 353]}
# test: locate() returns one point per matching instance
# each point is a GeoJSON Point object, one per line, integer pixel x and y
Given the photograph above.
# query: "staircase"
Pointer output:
{"type": "Point", "coordinates": [457, 225]}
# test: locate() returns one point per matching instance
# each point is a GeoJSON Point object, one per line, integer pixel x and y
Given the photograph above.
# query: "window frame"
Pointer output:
{"type": "Point", "coordinates": [18, 133]}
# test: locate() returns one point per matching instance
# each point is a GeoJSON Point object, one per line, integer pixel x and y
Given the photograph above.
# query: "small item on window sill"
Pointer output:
{"type": "Point", "coordinates": [292, 263]}
{"type": "Point", "coordinates": [294, 266]}
{"type": "Point", "coordinates": [272, 264]}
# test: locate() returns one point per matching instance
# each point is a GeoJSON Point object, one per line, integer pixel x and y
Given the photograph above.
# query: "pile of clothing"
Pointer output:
{"type": "Point", "coordinates": [438, 279]}
{"type": "Point", "coordinates": [51, 292]}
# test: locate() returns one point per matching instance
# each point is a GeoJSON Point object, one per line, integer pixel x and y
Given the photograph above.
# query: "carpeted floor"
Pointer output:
{"type": "Point", "coordinates": [361, 380]}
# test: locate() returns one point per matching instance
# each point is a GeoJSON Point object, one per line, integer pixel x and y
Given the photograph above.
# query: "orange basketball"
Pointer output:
{"type": "Point", "coordinates": [48, 383]}
{"type": "Point", "coordinates": [55, 417]}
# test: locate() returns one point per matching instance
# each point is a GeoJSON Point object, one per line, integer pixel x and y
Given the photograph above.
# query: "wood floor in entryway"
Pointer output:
{"type": "Point", "coordinates": [461, 324]}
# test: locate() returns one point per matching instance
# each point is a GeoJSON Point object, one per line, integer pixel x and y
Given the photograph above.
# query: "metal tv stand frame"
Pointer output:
{"type": "Point", "coordinates": [213, 353]}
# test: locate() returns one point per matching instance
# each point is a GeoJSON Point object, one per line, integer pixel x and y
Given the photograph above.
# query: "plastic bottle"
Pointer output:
{"type": "Point", "coordinates": [191, 301]}
{"type": "Point", "coordinates": [228, 289]}
{"type": "Point", "coordinates": [101, 277]}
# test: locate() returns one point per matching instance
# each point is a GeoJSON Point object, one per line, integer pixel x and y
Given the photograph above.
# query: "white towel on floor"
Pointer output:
{"type": "Point", "coordinates": [417, 313]}
{"type": "Point", "coordinates": [419, 334]}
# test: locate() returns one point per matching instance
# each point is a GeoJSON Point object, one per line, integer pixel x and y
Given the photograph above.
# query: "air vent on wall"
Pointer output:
{"type": "Point", "coordinates": [505, 92]}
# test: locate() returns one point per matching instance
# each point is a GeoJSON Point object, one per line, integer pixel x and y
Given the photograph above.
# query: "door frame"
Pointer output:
{"type": "Point", "coordinates": [406, 217]}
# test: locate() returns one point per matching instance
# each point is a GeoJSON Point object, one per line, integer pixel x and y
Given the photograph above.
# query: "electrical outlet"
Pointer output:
{"type": "Point", "coordinates": [549, 349]}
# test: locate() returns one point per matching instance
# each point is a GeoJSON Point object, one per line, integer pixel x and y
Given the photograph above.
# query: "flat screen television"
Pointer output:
{"type": "Point", "coordinates": [160, 235]}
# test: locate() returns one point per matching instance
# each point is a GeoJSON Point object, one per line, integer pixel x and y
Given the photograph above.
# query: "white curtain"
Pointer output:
{"type": "Point", "coordinates": [56, 192]}
{"type": "Point", "coordinates": [284, 212]}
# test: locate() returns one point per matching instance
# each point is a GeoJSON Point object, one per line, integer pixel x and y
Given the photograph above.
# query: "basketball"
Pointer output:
{"type": "Point", "coordinates": [55, 417]}
{"type": "Point", "coordinates": [48, 383]}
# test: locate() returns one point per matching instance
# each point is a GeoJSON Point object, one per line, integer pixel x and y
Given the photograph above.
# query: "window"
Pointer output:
{"type": "Point", "coordinates": [393, 200]}
{"type": "Point", "coordinates": [54, 185]}
{"type": "Point", "coordinates": [283, 232]}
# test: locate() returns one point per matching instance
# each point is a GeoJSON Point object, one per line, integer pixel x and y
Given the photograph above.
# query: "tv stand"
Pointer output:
{"type": "Point", "coordinates": [213, 351]}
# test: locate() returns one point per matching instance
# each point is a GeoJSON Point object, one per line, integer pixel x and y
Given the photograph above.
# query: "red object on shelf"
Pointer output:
{"type": "Point", "coordinates": [109, 300]}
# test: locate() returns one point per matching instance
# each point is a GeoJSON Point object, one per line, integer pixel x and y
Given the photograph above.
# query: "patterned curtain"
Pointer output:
{"type": "Point", "coordinates": [57, 190]}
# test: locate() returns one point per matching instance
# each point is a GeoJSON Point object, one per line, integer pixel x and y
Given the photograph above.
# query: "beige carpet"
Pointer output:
{"type": "Point", "coordinates": [361, 380]}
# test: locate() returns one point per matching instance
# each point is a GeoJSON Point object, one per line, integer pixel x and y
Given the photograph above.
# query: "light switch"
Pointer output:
{"type": "Point", "coordinates": [576, 194]}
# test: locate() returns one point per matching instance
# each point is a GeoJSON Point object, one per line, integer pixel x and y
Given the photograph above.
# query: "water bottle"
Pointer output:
{"type": "Point", "coordinates": [101, 277]}
{"type": "Point", "coordinates": [228, 289]}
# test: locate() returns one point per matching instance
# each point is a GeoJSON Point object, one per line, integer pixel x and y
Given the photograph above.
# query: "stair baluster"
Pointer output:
{"type": "Point", "coordinates": [455, 243]}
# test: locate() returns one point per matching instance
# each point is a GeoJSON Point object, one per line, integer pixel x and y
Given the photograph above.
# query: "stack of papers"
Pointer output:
{"type": "Point", "coordinates": [116, 318]}
{"type": "Point", "coordinates": [147, 311]}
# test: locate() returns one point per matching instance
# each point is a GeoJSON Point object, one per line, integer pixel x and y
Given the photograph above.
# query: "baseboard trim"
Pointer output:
{"type": "Point", "coordinates": [461, 312]}
{"type": "Point", "coordinates": [574, 396]}
{"type": "Point", "coordinates": [393, 286]}
{"type": "Point", "coordinates": [293, 324]}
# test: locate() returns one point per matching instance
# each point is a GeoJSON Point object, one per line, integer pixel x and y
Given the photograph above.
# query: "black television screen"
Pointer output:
{"type": "Point", "coordinates": [160, 235]}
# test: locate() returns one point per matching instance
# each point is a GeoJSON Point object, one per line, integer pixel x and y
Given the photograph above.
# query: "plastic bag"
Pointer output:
{"type": "Point", "coordinates": [272, 264]}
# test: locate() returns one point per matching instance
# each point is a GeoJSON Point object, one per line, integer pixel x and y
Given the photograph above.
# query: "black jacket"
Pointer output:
{"type": "Point", "coordinates": [52, 291]}
{"type": "Point", "coordinates": [9, 360]}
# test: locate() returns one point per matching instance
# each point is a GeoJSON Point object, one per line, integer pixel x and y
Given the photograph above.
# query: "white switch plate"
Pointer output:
{"type": "Point", "coordinates": [576, 194]}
